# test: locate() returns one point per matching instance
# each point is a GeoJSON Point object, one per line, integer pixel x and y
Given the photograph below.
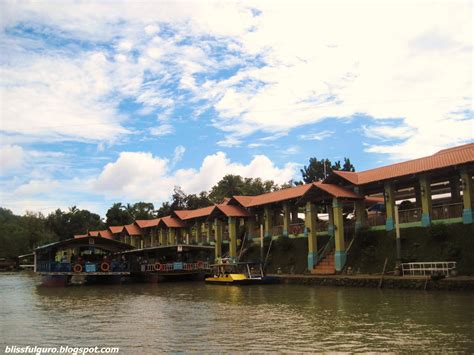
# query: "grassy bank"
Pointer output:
{"type": "Point", "coordinates": [454, 242]}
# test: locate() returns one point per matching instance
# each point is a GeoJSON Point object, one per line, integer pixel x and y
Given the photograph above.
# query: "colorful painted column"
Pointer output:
{"type": "Point", "coordinates": [286, 219]}
{"type": "Point", "coordinates": [232, 238]}
{"type": "Point", "coordinates": [198, 226]}
{"type": "Point", "coordinates": [425, 189]}
{"type": "Point", "coordinates": [267, 217]}
{"type": "Point", "coordinates": [330, 221]}
{"type": "Point", "coordinates": [340, 253]}
{"type": "Point", "coordinates": [209, 232]}
{"type": "Point", "coordinates": [310, 231]}
{"type": "Point", "coordinates": [218, 238]}
{"type": "Point", "coordinates": [389, 206]}
{"type": "Point", "coordinates": [467, 196]}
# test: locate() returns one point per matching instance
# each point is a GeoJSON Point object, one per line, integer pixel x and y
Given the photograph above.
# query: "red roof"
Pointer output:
{"type": "Point", "coordinates": [93, 233]}
{"type": "Point", "coordinates": [277, 196]}
{"type": "Point", "coordinates": [133, 229]}
{"type": "Point", "coordinates": [338, 191]}
{"type": "Point", "coordinates": [181, 214]}
{"type": "Point", "coordinates": [200, 212]}
{"type": "Point", "coordinates": [116, 229]}
{"type": "Point", "coordinates": [106, 234]}
{"type": "Point", "coordinates": [244, 200]}
{"type": "Point", "coordinates": [172, 222]}
{"type": "Point", "coordinates": [233, 211]}
{"type": "Point", "coordinates": [147, 223]}
{"type": "Point", "coordinates": [444, 158]}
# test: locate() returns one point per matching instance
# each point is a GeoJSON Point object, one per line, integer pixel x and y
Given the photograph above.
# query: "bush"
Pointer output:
{"type": "Point", "coordinates": [438, 232]}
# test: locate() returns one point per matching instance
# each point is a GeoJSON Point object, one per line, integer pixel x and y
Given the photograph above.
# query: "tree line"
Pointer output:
{"type": "Point", "coordinates": [20, 234]}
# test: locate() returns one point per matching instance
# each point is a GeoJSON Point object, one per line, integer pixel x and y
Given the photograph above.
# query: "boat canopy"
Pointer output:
{"type": "Point", "coordinates": [97, 242]}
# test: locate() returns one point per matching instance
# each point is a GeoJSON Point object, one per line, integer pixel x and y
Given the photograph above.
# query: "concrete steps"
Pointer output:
{"type": "Point", "coordinates": [325, 266]}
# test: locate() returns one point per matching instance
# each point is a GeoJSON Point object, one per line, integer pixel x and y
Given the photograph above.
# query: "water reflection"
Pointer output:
{"type": "Point", "coordinates": [210, 318]}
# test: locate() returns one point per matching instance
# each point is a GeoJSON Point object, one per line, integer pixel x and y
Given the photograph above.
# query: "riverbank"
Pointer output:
{"type": "Point", "coordinates": [458, 283]}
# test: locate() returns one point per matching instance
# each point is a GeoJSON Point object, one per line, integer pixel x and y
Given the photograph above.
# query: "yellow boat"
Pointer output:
{"type": "Point", "coordinates": [243, 273]}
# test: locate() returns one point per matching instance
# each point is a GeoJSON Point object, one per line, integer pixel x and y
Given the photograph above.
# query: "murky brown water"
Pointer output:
{"type": "Point", "coordinates": [204, 318]}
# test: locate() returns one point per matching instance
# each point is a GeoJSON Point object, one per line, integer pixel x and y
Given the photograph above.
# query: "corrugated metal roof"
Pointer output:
{"type": "Point", "coordinates": [80, 236]}
{"type": "Point", "coordinates": [147, 223]}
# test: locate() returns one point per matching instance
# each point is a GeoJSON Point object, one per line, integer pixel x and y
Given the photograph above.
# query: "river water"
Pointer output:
{"type": "Point", "coordinates": [194, 317]}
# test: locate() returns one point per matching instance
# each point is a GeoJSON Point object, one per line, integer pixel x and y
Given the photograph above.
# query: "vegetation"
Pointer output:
{"type": "Point", "coordinates": [20, 234]}
{"type": "Point", "coordinates": [317, 170]}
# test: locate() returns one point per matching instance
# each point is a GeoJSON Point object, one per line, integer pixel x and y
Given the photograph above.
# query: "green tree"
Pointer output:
{"type": "Point", "coordinates": [317, 170]}
{"type": "Point", "coordinates": [118, 215]}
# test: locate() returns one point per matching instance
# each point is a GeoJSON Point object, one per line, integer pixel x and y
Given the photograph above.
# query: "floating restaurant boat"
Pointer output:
{"type": "Point", "coordinates": [177, 262]}
{"type": "Point", "coordinates": [82, 260]}
{"type": "Point", "coordinates": [239, 273]}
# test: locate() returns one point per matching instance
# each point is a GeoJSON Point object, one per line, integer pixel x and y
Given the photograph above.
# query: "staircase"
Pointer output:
{"type": "Point", "coordinates": [325, 266]}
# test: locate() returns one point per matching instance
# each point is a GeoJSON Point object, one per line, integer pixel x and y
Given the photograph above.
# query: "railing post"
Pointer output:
{"type": "Point", "coordinates": [310, 228]}
{"type": "Point", "coordinates": [467, 196]}
{"type": "Point", "coordinates": [389, 195]}
{"type": "Point", "coordinates": [340, 252]}
{"type": "Point", "coordinates": [425, 188]}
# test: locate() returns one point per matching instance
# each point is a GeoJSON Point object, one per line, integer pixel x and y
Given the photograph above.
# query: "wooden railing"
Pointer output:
{"type": "Point", "coordinates": [411, 215]}
{"type": "Point", "coordinates": [453, 210]}
{"type": "Point", "coordinates": [376, 219]}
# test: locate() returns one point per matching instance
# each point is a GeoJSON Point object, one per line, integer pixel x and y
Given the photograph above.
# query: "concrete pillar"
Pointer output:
{"type": "Point", "coordinates": [340, 253]}
{"type": "Point", "coordinates": [425, 188]}
{"type": "Point", "coordinates": [389, 206]}
{"type": "Point", "coordinates": [467, 196]}
{"type": "Point", "coordinates": [361, 220]}
{"type": "Point", "coordinates": [209, 231]}
{"type": "Point", "coordinates": [232, 238]}
{"type": "Point", "coordinates": [310, 231]}
{"type": "Point", "coordinates": [218, 237]}
{"type": "Point", "coordinates": [286, 219]}
{"type": "Point", "coordinates": [198, 226]}
{"type": "Point", "coordinates": [330, 221]}
{"type": "Point", "coordinates": [267, 217]}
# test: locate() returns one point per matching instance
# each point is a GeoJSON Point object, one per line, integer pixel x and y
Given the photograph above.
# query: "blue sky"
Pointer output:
{"type": "Point", "coordinates": [103, 103]}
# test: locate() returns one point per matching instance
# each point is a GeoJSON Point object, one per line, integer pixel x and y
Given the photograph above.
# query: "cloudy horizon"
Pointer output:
{"type": "Point", "coordinates": [104, 102]}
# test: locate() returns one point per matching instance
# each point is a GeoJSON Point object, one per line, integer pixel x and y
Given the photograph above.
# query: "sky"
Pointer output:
{"type": "Point", "coordinates": [120, 101]}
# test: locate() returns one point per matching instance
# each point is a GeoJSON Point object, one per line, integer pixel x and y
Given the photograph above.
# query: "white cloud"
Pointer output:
{"type": "Point", "coordinates": [318, 136]}
{"type": "Point", "coordinates": [162, 130]}
{"type": "Point", "coordinates": [136, 176]}
{"type": "Point", "coordinates": [11, 159]}
{"type": "Point", "coordinates": [178, 153]}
